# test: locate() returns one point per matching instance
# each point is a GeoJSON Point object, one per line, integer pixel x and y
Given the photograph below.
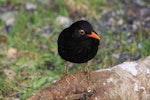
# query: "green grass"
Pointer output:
{"type": "Point", "coordinates": [93, 4]}
{"type": "Point", "coordinates": [29, 66]}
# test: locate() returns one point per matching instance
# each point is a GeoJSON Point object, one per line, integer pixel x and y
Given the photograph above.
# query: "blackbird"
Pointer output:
{"type": "Point", "coordinates": [78, 43]}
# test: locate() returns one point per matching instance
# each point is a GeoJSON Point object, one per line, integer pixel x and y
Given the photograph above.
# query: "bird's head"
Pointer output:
{"type": "Point", "coordinates": [83, 29]}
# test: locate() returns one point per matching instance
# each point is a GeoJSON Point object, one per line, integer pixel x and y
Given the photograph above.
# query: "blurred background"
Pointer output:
{"type": "Point", "coordinates": [29, 29]}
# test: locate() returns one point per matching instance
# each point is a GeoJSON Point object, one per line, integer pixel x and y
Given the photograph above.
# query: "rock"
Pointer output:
{"type": "Point", "coordinates": [8, 17]}
{"type": "Point", "coordinates": [147, 24]}
{"type": "Point", "coordinates": [112, 21]}
{"type": "Point", "coordinates": [138, 2]}
{"type": "Point", "coordinates": [70, 65]}
{"type": "Point", "coordinates": [15, 99]}
{"type": "Point", "coordinates": [129, 38]}
{"type": "Point", "coordinates": [136, 25]}
{"type": "Point", "coordinates": [115, 55]}
{"type": "Point", "coordinates": [115, 83]}
{"type": "Point", "coordinates": [62, 20]}
{"type": "Point", "coordinates": [46, 30]}
{"type": "Point", "coordinates": [78, 10]}
{"type": "Point", "coordinates": [12, 53]}
{"type": "Point", "coordinates": [8, 62]}
{"type": "Point", "coordinates": [123, 57]}
{"type": "Point", "coordinates": [30, 6]}
{"type": "Point", "coordinates": [49, 65]}
{"type": "Point", "coordinates": [9, 28]}
{"type": "Point", "coordinates": [140, 46]}
{"type": "Point", "coordinates": [10, 74]}
{"type": "Point", "coordinates": [144, 12]}
{"type": "Point", "coordinates": [120, 22]}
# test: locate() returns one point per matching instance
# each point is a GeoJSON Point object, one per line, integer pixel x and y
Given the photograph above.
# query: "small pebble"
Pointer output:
{"type": "Point", "coordinates": [70, 65]}
{"type": "Point", "coordinates": [8, 28]}
{"type": "Point", "coordinates": [120, 22]}
{"type": "Point", "coordinates": [8, 62]}
{"type": "Point", "coordinates": [10, 74]}
{"type": "Point", "coordinates": [123, 57]}
{"type": "Point", "coordinates": [49, 65]}
{"type": "Point", "coordinates": [8, 17]}
{"type": "Point", "coordinates": [144, 12]}
{"type": "Point", "coordinates": [46, 30]}
{"type": "Point", "coordinates": [140, 45]}
{"type": "Point", "coordinates": [62, 20]}
{"type": "Point", "coordinates": [12, 53]}
{"type": "Point", "coordinates": [138, 2]}
{"type": "Point", "coordinates": [15, 99]}
{"type": "Point", "coordinates": [30, 6]}
{"type": "Point", "coordinates": [147, 24]}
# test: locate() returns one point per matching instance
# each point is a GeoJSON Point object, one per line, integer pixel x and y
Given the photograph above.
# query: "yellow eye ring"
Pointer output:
{"type": "Point", "coordinates": [82, 32]}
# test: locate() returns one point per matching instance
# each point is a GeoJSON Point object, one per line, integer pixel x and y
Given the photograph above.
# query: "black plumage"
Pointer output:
{"type": "Point", "coordinates": [78, 43]}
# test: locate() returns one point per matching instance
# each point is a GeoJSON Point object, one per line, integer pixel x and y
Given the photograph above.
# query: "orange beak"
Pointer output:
{"type": "Point", "coordinates": [94, 35]}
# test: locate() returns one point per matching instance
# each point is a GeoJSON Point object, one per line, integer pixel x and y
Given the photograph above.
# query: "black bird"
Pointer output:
{"type": "Point", "coordinates": [78, 43]}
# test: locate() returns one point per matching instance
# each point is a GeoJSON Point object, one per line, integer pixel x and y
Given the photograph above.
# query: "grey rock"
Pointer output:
{"type": "Point", "coordinates": [123, 57]}
{"type": "Point", "coordinates": [139, 45]}
{"type": "Point", "coordinates": [15, 99]}
{"type": "Point", "coordinates": [8, 17]}
{"type": "Point", "coordinates": [62, 20]}
{"type": "Point", "coordinates": [46, 30]}
{"type": "Point", "coordinates": [147, 24]}
{"type": "Point", "coordinates": [30, 6]}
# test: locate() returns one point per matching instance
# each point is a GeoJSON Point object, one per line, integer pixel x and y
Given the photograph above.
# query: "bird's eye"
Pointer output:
{"type": "Point", "coordinates": [82, 32]}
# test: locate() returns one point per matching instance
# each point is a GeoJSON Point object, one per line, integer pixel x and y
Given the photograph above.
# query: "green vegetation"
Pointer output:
{"type": "Point", "coordinates": [34, 50]}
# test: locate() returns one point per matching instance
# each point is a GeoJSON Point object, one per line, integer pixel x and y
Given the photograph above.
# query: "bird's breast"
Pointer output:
{"type": "Point", "coordinates": [78, 52]}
